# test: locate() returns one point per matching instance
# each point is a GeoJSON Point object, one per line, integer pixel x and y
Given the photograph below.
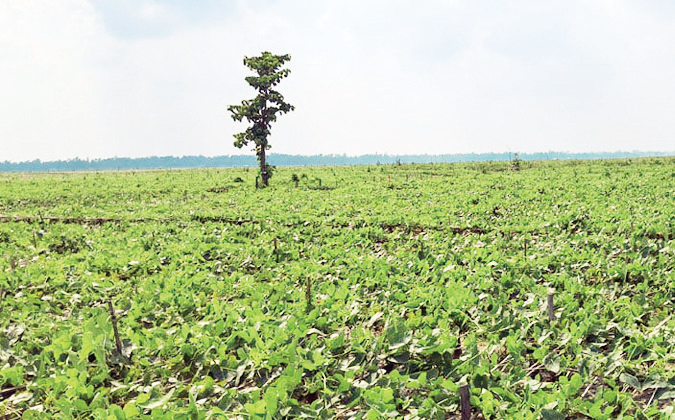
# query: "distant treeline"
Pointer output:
{"type": "Point", "coordinates": [157, 162]}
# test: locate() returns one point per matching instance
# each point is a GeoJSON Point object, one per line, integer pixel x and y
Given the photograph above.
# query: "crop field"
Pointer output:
{"type": "Point", "coordinates": [382, 291]}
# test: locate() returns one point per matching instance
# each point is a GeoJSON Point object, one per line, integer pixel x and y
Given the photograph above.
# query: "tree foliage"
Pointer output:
{"type": "Point", "coordinates": [262, 110]}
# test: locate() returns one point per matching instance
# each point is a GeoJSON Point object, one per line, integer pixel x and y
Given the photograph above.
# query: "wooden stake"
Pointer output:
{"type": "Point", "coordinates": [551, 308]}
{"type": "Point", "coordinates": [465, 403]}
{"type": "Point", "coordinates": [113, 319]}
{"type": "Point", "coordinates": [308, 292]}
{"type": "Point", "coordinates": [276, 252]}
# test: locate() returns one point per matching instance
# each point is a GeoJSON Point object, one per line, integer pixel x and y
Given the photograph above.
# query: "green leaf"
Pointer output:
{"type": "Point", "coordinates": [575, 384]}
{"type": "Point", "coordinates": [271, 399]}
{"type": "Point", "coordinates": [12, 375]}
{"type": "Point", "coordinates": [117, 412]}
{"type": "Point", "coordinates": [551, 415]}
{"type": "Point", "coordinates": [397, 335]}
{"type": "Point", "coordinates": [131, 410]}
{"type": "Point", "coordinates": [631, 380]}
{"type": "Point", "coordinates": [552, 362]}
{"type": "Point", "coordinates": [160, 403]}
{"type": "Point", "coordinates": [258, 408]}
{"type": "Point", "coordinates": [80, 405]}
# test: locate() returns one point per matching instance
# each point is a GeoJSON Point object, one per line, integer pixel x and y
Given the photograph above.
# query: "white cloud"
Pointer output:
{"type": "Point", "coordinates": [101, 78]}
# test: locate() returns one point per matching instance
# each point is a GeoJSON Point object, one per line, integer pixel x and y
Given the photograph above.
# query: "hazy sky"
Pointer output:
{"type": "Point", "coordinates": [133, 78]}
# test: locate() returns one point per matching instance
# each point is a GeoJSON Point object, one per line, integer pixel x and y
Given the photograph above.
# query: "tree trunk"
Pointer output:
{"type": "Point", "coordinates": [264, 175]}
{"type": "Point", "coordinates": [263, 168]}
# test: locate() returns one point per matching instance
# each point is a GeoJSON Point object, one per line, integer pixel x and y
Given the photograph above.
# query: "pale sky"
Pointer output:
{"type": "Point", "coordinates": [135, 78]}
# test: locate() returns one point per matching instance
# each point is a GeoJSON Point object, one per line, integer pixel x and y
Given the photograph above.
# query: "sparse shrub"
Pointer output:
{"type": "Point", "coordinates": [515, 164]}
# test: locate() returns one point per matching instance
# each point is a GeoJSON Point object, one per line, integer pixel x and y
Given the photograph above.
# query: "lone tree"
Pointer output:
{"type": "Point", "coordinates": [262, 111]}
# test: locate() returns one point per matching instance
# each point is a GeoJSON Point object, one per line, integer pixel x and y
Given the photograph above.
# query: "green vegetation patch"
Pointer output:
{"type": "Point", "coordinates": [340, 292]}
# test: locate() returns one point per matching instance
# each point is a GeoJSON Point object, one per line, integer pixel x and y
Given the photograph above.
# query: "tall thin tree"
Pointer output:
{"type": "Point", "coordinates": [262, 110]}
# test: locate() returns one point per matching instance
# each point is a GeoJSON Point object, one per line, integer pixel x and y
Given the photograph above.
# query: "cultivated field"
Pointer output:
{"type": "Point", "coordinates": [364, 292]}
